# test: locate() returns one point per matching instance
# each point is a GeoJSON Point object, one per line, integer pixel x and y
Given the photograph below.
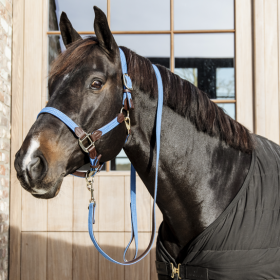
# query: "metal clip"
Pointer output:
{"type": "Point", "coordinates": [175, 270]}
{"type": "Point", "coordinates": [127, 124]}
{"type": "Point", "coordinates": [90, 181]}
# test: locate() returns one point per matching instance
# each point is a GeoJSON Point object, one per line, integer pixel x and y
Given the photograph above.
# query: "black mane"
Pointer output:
{"type": "Point", "coordinates": [190, 102]}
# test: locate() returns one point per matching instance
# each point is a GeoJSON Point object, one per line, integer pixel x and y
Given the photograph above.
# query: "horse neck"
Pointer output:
{"type": "Point", "coordinates": [198, 174]}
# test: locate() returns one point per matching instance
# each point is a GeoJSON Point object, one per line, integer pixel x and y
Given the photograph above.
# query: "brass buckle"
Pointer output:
{"type": "Point", "coordinates": [125, 83]}
{"type": "Point", "coordinates": [175, 270]}
{"type": "Point", "coordinates": [85, 149]}
{"type": "Point", "coordinates": [126, 119]}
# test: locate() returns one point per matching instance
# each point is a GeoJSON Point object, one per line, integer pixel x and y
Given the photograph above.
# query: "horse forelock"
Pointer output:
{"type": "Point", "coordinates": [72, 58]}
{"type": "Point", "coordinates": [188, 101]}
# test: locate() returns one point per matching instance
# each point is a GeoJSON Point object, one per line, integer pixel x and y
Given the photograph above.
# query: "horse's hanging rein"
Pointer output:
{"type": "Point", "coordinates": [96, 167]}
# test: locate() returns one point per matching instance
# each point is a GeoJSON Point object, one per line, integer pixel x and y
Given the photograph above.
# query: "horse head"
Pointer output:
{"type": "Point", "coordinates": [85, 83]}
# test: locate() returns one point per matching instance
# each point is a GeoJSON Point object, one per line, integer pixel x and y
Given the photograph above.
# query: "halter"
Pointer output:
{"type": "Point", "coordinates": [95, 165]}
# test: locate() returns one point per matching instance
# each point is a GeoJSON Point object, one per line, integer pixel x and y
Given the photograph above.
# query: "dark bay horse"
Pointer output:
{"type": "Point", "coordinates": [205, 155]}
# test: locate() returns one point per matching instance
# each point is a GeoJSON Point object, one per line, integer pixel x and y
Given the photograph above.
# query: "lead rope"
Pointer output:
{"type": "Point", "coordinates": [93, 205]}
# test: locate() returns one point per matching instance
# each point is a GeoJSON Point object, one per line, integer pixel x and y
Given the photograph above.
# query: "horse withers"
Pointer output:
{"type": "Point", "coordinates": [218, 183]}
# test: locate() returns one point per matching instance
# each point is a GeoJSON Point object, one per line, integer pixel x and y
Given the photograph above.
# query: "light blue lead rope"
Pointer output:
{"type": "Point", "coordinates": [133, 210]}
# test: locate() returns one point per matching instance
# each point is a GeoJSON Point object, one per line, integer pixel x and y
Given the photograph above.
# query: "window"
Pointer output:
{"type": "Point", "coordinates": [194, 39]}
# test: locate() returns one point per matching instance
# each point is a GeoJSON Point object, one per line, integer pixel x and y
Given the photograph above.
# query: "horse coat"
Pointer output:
{"type": "Point", "coordinates": [243, 242]}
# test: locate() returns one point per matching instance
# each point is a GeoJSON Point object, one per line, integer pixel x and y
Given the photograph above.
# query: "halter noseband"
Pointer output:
{"type": "Point", "coordinates": [95, 159]}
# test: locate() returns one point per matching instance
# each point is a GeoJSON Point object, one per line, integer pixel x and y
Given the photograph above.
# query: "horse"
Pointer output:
{"type": "Point", "coordinates": [218, 182]}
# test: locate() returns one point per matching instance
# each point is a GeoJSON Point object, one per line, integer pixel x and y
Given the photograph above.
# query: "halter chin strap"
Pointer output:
{"type": "Point", "coordinates": [95, 159]}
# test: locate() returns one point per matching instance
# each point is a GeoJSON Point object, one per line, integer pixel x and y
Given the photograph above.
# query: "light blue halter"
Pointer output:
{"type": "Point", "coordinates": [73, 126]}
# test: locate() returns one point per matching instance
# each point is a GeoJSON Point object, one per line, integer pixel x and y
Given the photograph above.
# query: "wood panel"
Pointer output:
{"type": "Point", "coordinates": [32, 63]}
{"type": "Point", "coordinates": [259, 69]}
{"type": "Point", "coordinates": [113, 245]}
{"type": "Point", "coordinates": [45, 17]}
{"type": "Point", "coordinates": [111, 203]}
{"type": "Point", "coordinates": [143, 202]}
{"type": "Point", "coordinates": [81, 201]}
{"type": "Point", "coordinates": [16, 138]}
{"type": "Point", "coordinates": [34, 213]}
{"type": "Point", "coordinates": [32, 207]}
{"type": "Point", "coordinates": [159, 217]}
{"type": "Point", "coordinates": [85, 257]}
{"type": "Point", "coordinates": [271, 70]}
{"type": "Point", "coordinates": [140, 270]}
{"type": "Point", "coordinates": [59, 256]}
{"type": "Point", "coordinates": [278, 21]}
{"type": "Point", "coordinates": [34, 256]}
{"type": "Point", "coordinates": [244, 70]}
{"type": "Point", "coordinates": [153, 270]}
{"type": "Point", "coordinates": [60, 208]}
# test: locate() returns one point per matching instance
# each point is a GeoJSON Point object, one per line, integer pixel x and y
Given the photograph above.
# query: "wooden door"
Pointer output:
{"type": "Point", "coordinates": [48, 238]}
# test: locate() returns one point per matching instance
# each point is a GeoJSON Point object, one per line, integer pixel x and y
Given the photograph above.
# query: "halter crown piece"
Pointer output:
{"type": "Point", "coordinates": [95, 165]}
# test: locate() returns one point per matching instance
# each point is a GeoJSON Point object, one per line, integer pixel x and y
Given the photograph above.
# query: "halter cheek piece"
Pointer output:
{"type": "Point", "coordinates": [89, 148]}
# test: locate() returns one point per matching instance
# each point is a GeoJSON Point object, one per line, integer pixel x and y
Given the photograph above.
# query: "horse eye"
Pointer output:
{"type": "Point", "coordinates": [96, 85]}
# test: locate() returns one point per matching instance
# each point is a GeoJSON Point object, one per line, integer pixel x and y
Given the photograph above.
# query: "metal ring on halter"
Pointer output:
{"type": "Point", "coordinates": [125, 82]}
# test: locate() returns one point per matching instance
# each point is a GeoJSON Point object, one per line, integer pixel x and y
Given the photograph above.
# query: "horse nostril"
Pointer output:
{"type": "Point", "coordinates": [36, 168]}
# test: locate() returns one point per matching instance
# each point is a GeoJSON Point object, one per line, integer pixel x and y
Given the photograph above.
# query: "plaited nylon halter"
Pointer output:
{"type": "Point", "coordinates": [95, 159]}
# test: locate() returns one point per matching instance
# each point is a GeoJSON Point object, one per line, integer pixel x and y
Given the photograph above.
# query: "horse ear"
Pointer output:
{"type": "Point", "coordinates": [68, 33]}
{"type": "Point", "coordinates": [103, 33]}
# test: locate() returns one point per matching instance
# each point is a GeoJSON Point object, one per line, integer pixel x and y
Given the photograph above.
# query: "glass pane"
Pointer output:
{"type": "Point", "coordinates": [80, 13]}
{"type": "Point", "coordinates": [203, 14]}
{"type": "Point", "coordinates": [189, 74]}
{"type": "Point", "coordinates": [56, 46]}
{"type": "Point", "coordinates": [140, 15]}
{"type": "Point", "coordinates": [154, 47]}
{"type": "Point", "coordinates": [229, 109]}
{"type": "Point", "coordinates": [225, 85]}
{"type": "Point", "coordinates": [207, 61]}
{"type": "Point", "coordinates": [121, 162]}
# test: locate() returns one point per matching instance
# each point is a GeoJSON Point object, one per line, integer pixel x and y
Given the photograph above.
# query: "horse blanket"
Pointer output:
{"type": "Point", "coordinates": [243, 242]}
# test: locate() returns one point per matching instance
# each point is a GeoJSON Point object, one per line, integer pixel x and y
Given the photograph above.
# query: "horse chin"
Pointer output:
{"type": "Point", "coordinates": [53, 192]}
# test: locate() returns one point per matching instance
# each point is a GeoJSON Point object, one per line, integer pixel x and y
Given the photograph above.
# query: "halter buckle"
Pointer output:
{"type": "Point", "coordinates": [125, 76]}
{"type": "Point", "coordinates": [175, 270]}
{"type": "Point", "coordinates": [85, 149]}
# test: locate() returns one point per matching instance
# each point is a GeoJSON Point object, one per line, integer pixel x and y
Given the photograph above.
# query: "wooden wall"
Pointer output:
{"type": "Point", "coordinates": [55, 242]}
{"type": "Point", "coordinates": [266, 67]}
{"type": "Point", "coordinates": [49, 239]}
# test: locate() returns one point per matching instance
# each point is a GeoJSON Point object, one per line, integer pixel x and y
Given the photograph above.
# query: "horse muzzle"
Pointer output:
{"type": "Point", "coordinates": [32, 169]}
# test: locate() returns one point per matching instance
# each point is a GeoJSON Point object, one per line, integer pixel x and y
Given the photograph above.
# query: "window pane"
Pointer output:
{"type": "Point", "coordinates": [80, 13]}
{"type": "Point", "coordinates": [203, 14]}
{"type": "Point", "coordinates": [189, 74]}
{"type": "Point", "coordinates": [229, 109]}
{"type": "Point", "coordinates": [154, 47]}
{"type": "Point", "coordinates": [225, 85]}
{"type": "Point", "coordinates": [121, 162]}
{"type": "Point", "coordinates": [56, 46]}
{"type": "Point", "coordinates": [140, 15]}
{"type": "Point", "coordinates": [207, 61]}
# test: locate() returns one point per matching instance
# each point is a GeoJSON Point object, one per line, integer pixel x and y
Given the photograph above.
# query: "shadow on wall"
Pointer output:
{"type": "Point", "coordinates": [71, 255]}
